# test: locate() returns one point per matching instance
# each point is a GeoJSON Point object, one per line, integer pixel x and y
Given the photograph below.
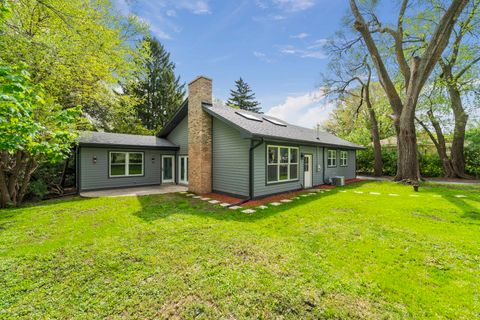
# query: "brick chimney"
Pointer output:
{"type": "Point", "coordinates": [199, 136]}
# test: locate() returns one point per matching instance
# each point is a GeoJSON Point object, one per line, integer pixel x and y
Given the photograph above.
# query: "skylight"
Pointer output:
{"type": "Point", "coordinates": [248, 116]}
{"type": "Point", "coordinates": [278, 123]}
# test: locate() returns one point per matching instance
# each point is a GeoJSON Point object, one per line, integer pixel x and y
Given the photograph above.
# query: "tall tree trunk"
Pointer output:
{"type": "Point", "coordinates": [377, 147]}
{"type": "Point", "coordinates": [407, 161]}
{"type": "Point", "coordinates": [374, 131]}
{"type": "Point", "coordinates": [457, 152]}
{"type": "Point", "coordinates": [440, 144]}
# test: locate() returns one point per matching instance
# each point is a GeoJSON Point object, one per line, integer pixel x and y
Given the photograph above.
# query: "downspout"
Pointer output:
{"type": "Point", "coordinates": [77, 168]}
{"type": "Point", "coordinates": [251, 166]}
{"type": "Point", "coordinates": [323, 165]}
{"type": "Point", "coordinates": [250, 171]}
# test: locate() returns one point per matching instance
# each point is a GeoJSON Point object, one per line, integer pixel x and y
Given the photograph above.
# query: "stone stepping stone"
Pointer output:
{"type": "Point", "coordinates": [393, 195]}
{"type": "Point", "coordinates": [437, 196]}
{"type": "Point", "coordinates": [183, 192]}
{"type": "Point", "coordinates": [190, 195]}
{"type": "Point", "coordinates": [375, 193]}
{"type": "Point", "coordinates": [234, 207]}
{"type": "Point", "coordinates": [205, 199]}
{"type": "Point", "coordinates": [328, 190]}
{"type": "Point", "coordinates": [224, 204]}
{"type": "Point", "coordinates": [345, 191]}
{"type": "Point", "coordinates": [286, 200]}
{"type": "Point", "coordinates": [304, 195]}
{"type": "Point", "coordinates": [213, 201]}
{"type": "Point", "coordinates": [359, 192]}
{"type": "Point", "coordinates": [262, 207]}
{"type": "Point", "coordinates": [249, 211]}
{"type": "Point", "coordinates": [296, 198]}
{"type": "Point", "coordinates": [197, 197]}
{"type": "Point", "coordinates": [460, 196]}
{"type": "Point", "coordinates": [311, 193]}
{"type": "Point", "coordinates": [414, 195]}
{"type": "Point", "coordinates": [275, 204]}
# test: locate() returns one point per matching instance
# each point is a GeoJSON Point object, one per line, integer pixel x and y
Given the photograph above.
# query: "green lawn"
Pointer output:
{"type": "Point", "coordinates": [332, 255]}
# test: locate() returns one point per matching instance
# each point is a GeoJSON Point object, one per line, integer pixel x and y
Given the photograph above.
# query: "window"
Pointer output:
{"type": "Point", "coordinates": [278, 123]}
{"type": "Point", "coordinates": [125, 164]}
{"type": "Point", "coordinates": [332, 158]}
{"type": "Point", "coordinates": [249, 116]}
{"type": "Point", "coordinates": [282, 164]}
{"type": "Point", "coordinates": [343, 158]}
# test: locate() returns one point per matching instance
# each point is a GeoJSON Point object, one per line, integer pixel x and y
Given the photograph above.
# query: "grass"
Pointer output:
{"type": "Point", "coordinates": [332, 255]}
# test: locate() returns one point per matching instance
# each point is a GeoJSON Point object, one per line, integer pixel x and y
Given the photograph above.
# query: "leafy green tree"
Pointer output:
{"type": "Point", "coordinates": [243, 98]}
{"type": "Point", "coordinates": [414, 63]}
{"type": "Point", "coordinates": [78, 50]}
{"type": "Point", "coordinates": [158, 90]}
{"type": "Point", "coordinates": [455, 80]}
{"type": "Point", "coordinates": [34, 131]}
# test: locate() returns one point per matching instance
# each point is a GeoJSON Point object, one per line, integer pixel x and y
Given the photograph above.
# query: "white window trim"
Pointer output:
{"type": "Point", "coordinates": [180, 169]}
{"type": "Point", "coordinates": [127, 162]}
{"type": "Point", "coordinates": [278, 164]}
{"type": "Point", "coordinates": [343, 152]}
{"type": "Point", "coordinates": [334, 158]}
{"type": "Point", "coordinates": [173, 169]}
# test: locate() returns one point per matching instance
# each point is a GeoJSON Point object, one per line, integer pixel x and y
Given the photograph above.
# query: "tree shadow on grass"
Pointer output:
{"type": "Point", "coordinates": [156, 207]}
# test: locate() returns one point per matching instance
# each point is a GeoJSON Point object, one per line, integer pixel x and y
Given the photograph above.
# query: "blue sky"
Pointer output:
{"type": "Point", "coordinates": [274, 45]}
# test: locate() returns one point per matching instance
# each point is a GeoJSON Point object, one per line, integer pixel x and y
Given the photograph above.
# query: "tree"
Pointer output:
{"type": "Point", "coordinates": [34, 131]}
{"type": "Point", "coordinates": [414, 74]}
{"type": "Point", "coordinates": [78, 50]}
{"type": "Point", "coordinates": [351, 76]}
{"type": "Point", "coordinates": [243, 98]}
{"type": "Point", "coordinates": [159, 91]}
{"type": "Point", "coordinates": [447, 96]}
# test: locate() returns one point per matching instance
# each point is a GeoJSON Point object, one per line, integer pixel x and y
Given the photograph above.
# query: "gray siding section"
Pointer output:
{"type": "Point", "coordinates": [95, 175]}
{"type": "Point", "coordinates": [179, 136]}
{"type": "Point", "coordinates": [261, 188]}
{"type": "Point", "coordinates": [230, 159]}
{"type": "Point", "coordinates": [349, 172]}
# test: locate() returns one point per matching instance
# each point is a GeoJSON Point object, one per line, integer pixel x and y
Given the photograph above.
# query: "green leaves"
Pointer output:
{"type": "Point", "coordinates": [42, 129]}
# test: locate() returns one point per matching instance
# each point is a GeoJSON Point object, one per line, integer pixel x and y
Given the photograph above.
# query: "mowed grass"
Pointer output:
{"type": "Point", "coordinates": [331, 255]}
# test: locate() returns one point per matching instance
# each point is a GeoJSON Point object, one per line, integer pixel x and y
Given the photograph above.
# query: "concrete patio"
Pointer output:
{"type": "Point", "coordinates": [135, 191]}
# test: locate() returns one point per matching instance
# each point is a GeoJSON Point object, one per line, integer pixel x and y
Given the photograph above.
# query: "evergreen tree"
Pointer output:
{"type": "Point", "coordinates": [159, 91]}
{"type": "Point", "coordinates": [243, 98]}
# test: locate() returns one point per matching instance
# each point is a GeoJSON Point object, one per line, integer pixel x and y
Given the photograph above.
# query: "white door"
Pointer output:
{"type": "Point", "coordinates": [183, 169]}
{"type": "Point", "coordinates": [307, 171]}
{"type": "Point", "coordinates": [168, 168]}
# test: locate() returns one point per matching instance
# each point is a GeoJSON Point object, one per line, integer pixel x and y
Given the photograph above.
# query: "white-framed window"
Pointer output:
{"type": "Point", "coordinates": [331, 158]}
{"type": "Point", "coordinates": [125, 164]}
{"type": "Point", "coordinates": [343, 158]}
{"type": "Point", "coordinates": [282, 164]}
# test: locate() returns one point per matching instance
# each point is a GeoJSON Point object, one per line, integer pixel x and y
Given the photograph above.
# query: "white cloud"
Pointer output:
{"type": "Point", "coordinates": [196, 7]}
{"type": "Point", "coordinates": [294, 5]}
{"type": "Point", "coordinates": [320, 43]}
{"type": "Point", "coordinates": [171, 13]}
{"type": "Point", "coordinates": [261, 56]}
{"type": "Point", "coordinates": [304, 110]}
{"type": "Point", "coordinates": [302, 35]}
{"type": "Point", "coordinates": [302, 53]}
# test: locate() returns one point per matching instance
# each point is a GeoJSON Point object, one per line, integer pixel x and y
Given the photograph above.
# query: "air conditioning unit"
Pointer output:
{"type": "Point", "coordinates": [338, 181]}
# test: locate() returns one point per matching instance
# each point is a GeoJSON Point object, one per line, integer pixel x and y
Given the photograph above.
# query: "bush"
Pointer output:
{"type": "Point", "coordinates": [430, 164]}
{"type": "Point", "coordinates": [37, 190]}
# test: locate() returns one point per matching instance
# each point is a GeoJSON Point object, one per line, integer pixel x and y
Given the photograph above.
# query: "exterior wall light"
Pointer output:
{"type": "Point", "coordinates": [94, 159]}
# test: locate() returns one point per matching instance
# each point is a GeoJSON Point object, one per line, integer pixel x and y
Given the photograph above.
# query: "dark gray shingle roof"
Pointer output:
{"type": "Point", "coordinates": [123, 140]}
{"type": "Point", "coordinates": [267, 129]}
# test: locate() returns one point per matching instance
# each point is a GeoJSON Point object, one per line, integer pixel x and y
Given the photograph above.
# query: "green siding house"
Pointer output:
{"type": "Point", "coordinates": [216, 149]}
